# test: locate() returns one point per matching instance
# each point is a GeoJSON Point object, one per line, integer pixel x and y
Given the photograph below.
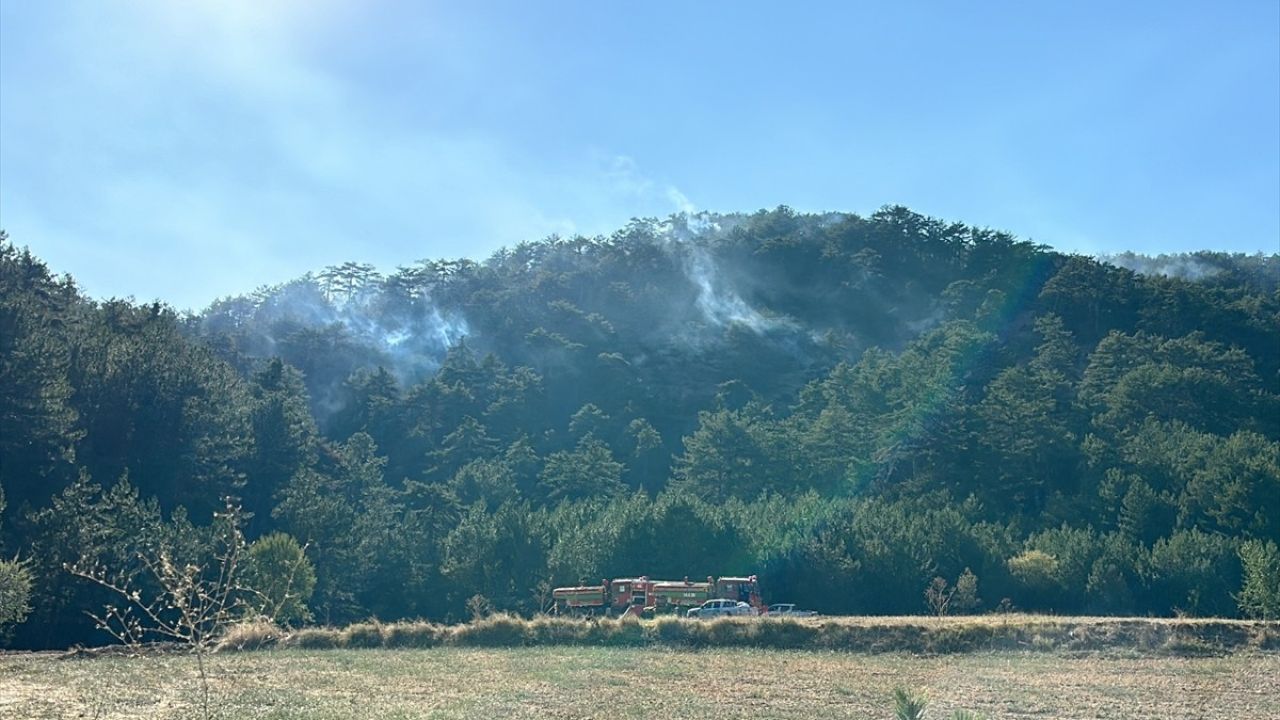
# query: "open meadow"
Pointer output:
{"type": "Point", "coordinates": [453, 680]}
{"type": "Point", "coordinates": [572, 682]}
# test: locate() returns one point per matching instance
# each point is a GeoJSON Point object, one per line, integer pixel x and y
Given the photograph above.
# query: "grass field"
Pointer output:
{"type": "Point", "coordinates": [1005, 666]}
{"type": "Point", "coordinates": [567, 682]}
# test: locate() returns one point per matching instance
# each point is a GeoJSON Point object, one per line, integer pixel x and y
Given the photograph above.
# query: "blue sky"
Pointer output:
{"type": "Point", "coordinates": [195, 149]}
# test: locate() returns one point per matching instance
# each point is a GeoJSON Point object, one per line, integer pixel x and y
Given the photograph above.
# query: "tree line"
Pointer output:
{"type": "Point", "coordinates": [847, 406]}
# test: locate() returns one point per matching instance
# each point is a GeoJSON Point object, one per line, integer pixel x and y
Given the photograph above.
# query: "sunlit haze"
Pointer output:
{"type": "Point", "coordinates": [185, 151]}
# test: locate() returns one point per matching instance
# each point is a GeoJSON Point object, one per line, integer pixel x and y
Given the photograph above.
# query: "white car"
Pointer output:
{"type": "Point", "coordinates": [720, 608]}
{"type": "Point", "coordinates": [787, 610]}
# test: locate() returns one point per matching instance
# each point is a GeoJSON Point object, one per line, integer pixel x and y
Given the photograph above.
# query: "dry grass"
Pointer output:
{"type": "Point", "coordinates": [251, 635]}
{"type": "Point", "coordinates": [586, 682]}
{"type": "Point", "coordinates": [915, 634]}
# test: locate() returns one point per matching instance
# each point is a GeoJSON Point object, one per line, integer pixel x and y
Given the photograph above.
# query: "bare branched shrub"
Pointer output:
{"type": "Point", "coordinates": [479, 607]}
{"type": "Point", "coordinates": [185, 602]}
{"type": "Point", "coordinates": [938, 596]}
{"type": "Point", "coordinates": [543, 599]}
{"type": "Point", "coordinates": [941, 598]}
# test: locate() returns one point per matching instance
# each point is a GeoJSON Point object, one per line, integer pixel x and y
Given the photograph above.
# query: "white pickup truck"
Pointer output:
{"type": "Point", "coordinates": [787, 610]}
{"type": "Point", "coordinates": [720, 608]}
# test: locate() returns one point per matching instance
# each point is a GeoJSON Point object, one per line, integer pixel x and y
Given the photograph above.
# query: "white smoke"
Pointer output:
{"type": "Point", "coordinates": [682, 203]}
{"type": "Point", "coordinates": [396, 338]}
{"type": "Point", "coordinates": [717, 301]}
{"type": "Point", "coordinates": [1184, 267]}
{"type": "Point", "coordinates": [411, 338]}
{"type": "Point", "coordinates": [623, 177]}
{"type": "Point", "coordinates": [416, 342]}
{"type": "Point", "coordinates": [448, 331]}
{"type": "Point", "coordinates": [720, 304]}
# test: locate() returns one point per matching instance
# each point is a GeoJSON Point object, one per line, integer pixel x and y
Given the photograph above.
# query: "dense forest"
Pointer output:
{"type": "Point", "coordinates": [846, 406]}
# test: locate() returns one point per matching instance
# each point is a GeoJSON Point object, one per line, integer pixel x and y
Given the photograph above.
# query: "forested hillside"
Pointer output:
{"type": "Point", "coordinates": [846, 406]}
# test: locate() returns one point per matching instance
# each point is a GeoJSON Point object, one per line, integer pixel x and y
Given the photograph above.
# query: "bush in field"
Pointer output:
{"type": "Point", "coordinates": [280, 577]}
{"type": "Point", "coordinates": [15, 592]}
{"type": "Point", "coordinates": [1260, 594]}
{"type": "Point", "coordinates": [908, 705]}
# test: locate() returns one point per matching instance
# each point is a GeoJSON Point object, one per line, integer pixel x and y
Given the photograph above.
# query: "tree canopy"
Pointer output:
{"type": "Point", "coordinates": [847, 406]}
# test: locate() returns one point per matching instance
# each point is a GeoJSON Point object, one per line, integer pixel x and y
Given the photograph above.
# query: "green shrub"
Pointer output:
{"type": "Point", "coordinates": [1036, 573]}
{"type": "Point", "coordinates": [1115, 577]}
{"type": "Point", "coordinates": [908, 705]}
{"type": "Point", "coordinates": [1260, 593]}
{"type": "Point", "coordinates": [1192, 572]}
{"type": "Point", "coordinates": [15, 592]}
{"type": "Point", "coordinates": [966, 597]}
{"type": "Point", "coordinates": [280, 579]}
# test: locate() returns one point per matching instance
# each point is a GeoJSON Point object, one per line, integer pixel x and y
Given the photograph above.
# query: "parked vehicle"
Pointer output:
{"type": "Point", "coordinates": [787, 610]}
{"type": "Point", "coordinates": [721, 608]}
{"type": "Point", "coordinates": [640, 595]}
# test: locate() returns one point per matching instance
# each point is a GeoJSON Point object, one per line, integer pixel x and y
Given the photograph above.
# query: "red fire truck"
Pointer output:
{"type": "Point", "coordinates": [640, 594]}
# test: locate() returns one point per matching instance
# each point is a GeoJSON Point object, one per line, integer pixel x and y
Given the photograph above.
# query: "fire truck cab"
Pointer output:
{"type": "Point", "coordinates": [630, 596]}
